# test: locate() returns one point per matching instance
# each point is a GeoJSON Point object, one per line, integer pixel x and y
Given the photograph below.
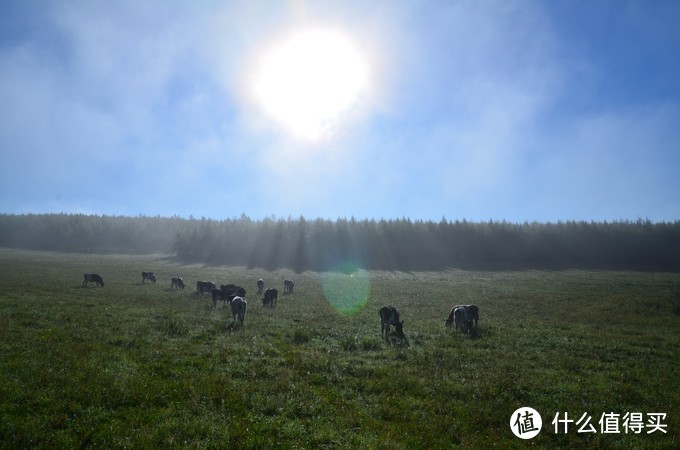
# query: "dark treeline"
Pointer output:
{"type": "Point", "coordinates": [80, 233]}
{"type": "Point", "coordinates": [401, 244]}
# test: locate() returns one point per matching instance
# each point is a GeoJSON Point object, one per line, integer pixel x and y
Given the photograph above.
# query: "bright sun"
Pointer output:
{"type": "Point", "coordinates": [311, 82]}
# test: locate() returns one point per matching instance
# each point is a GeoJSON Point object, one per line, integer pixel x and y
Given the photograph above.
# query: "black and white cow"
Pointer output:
{"type": "Point", "coordinates": [148, 276]}
{"type": "Point", "coordinates": [460, 318]}
{"type": "Point", "coordinates": [389, 316]}
{"type": "Point", "coordinates": [260, 286]}
{"type": "Point", "coordinates": [463, 317]}
{"type": "Point", "coordinates": [238, 310]}
{"type": "Point", "coordinates": [472, 315]}
{"type": "Point", "coordinates": [271, 296]}
{"type": "Point", "coordinates": [288, 286]}
{"type": "Point", "coordinates": [204, 286]}
{"type": "Point", "coordinates": [176, 283]}
{"type": "Point", "coordinates": [93, 278]}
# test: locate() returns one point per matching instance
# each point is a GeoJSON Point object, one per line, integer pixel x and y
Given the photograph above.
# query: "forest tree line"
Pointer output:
{"type": "Point", "coordinates": [398, 244]}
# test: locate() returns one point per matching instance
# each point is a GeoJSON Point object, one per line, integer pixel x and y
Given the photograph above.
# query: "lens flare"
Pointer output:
{"type": "Point", "coordinates": [346, 287]}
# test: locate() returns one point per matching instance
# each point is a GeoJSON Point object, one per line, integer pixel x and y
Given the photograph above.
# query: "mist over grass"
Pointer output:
{"type": "Point", "coordinates": [322, 244]}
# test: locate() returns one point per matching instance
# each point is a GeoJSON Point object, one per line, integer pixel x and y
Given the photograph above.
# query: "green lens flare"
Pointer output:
{"type": "Point", "coordinates": [346, 288]}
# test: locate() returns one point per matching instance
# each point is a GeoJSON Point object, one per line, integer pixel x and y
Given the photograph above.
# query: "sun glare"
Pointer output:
{"type": "Point", "coordinates": [311, 82]}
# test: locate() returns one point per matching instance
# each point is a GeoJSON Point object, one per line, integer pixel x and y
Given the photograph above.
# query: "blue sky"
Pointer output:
{"type": "Point", "coordinates": [504, 110]}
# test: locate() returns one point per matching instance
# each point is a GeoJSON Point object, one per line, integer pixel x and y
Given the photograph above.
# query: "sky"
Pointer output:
{"type": "Point", "coordinates": [479, 110]}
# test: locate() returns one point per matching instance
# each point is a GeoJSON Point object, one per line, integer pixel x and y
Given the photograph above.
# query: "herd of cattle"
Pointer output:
{"type": "Point", "coordinates": [463, 317]}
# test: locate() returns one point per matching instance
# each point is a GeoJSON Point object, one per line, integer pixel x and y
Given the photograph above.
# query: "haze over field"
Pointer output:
{"type": "Point", "coordinates": [522, 110]}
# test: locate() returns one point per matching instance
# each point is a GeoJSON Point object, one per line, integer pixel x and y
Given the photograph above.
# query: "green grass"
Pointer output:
{"type": "Point", "coordinates": [132, 365]}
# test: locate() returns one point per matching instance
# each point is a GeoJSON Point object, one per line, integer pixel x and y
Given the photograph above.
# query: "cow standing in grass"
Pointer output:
{"type": "Point", "coordinates": [226, 293]}
{"type": "Point", "coordinates": [260, 286]}
{"type": "Point", "coordinates": [204, 286]}
{"type": "Point", "coordinates": [230, 291]}
{"type": "Point", "coordinates": [271, 296]}
{"type": "Point", "coordinates": [460, 318]}
{"type": "Point", "coordinates": [176, 283]}
{"type": "Point", "coordinates": [472, 312]}
{"type": "Point", "coordinates": [93, 278]}
{"type": "Point", "coordinates": [288, 286]}
{"type": "Point", "coordinates": [464, 317]}
{"type": "Point", "coordinates": [148, 276]}
{"type": "Point", "coordinates": [238, 310]}
{"type": "Point", "coordinates": [218, 294]}
{"type": "Point", "coordinates": [389, 316]}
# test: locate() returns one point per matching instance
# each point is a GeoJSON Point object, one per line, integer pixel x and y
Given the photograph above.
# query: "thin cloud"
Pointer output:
{"type": "Point", "coordinates": [507, 110]}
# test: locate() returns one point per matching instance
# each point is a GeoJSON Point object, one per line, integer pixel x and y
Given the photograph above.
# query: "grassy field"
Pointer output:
{"type": "Point", "coordinates": [140, 365]}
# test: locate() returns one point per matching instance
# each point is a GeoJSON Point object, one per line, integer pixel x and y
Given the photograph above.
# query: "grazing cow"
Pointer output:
{"type": "Point", "coordinates": [260, 286]}
{"type": "Point", "coordinates": [204, 286]}
{"type": "Point", "coordinates": [218, 294]}
{"type": "Point", "coordinates": [148, 276]}
{"type": "Point", "coordinates": [93, 278]}
{"type": "Point", "coordinates": [271, 295]}
{"type": "Point", "coordinates": [229, 291]}
{"type": "Point", "coordinates": [177, 283]}
{"type": "Point", "coordinates": [451, 319]}
{"type": "Point", "coordinates": [390, 316]}
{"type": "Point", "coordinates": [238, 309]}
{"type": "Point", "coordinates": [463, 316]}
{"type": "Point", "coordinates": [226, 293]}
{"type": "Point", "coordinates": [460, 317]}
{"type": "Point", "coordinates": [288, 286]}
{"type": "Point", "coordinates": [472, 314]}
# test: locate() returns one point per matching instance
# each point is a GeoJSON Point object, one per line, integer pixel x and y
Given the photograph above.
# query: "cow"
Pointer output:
{"type": "Point", "coordinates": [260, 286]}
{"type": "Point", "coordinates": [93, 278]}
{"type": "Point", "coordinates": [204, 286]}
{"type": "Point", "coordinates": [472, 315]}
{"type": "Point", "coordinates": [460, 318]}
{"type": "Point", "coordinates": [288, 286]}
{"type": "Point", "coordinates": [176, 283]}
{"type": "Point", "coordinates": [271, 295]}
{"type": "Point", "coordinates": [238, 310]}
{"type": "Point", "coordinates": [390, 316]}
{"type": "Point", "coordinates": [463, 317]}
{"type": "Point", "coordinates": [231, 290]}
{"type": "Point", "coordinates": [226, 293]}
{"type": "Point", "coordinates": [148, 276]}
{"type": "Point", "coordinates": [218, 294]}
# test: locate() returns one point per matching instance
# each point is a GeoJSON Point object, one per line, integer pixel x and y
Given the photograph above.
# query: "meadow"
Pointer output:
{"type": "Point", "coordinates": [140, 365]}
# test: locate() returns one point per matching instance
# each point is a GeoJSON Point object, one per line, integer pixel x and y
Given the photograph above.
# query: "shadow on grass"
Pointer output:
{"type": "Point", "coordinates": [473, 333]}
